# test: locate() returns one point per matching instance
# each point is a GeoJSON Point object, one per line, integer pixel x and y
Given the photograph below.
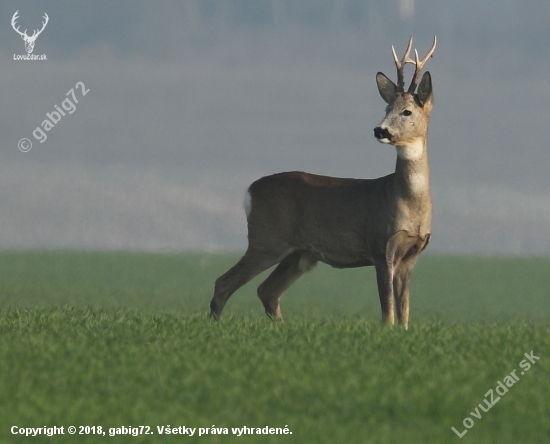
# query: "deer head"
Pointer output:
{"type": "Point", "coordinates": [29, 40]}
{"type": "Point", "coordinates": [407, 113]}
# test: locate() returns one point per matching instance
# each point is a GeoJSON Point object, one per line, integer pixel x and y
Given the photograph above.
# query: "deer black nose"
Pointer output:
{"type": "Point", "coordinates": [382, 133]}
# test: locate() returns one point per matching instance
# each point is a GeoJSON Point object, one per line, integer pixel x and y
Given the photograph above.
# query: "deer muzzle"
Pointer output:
{"type": "Point", "coordinates": [382, 134]}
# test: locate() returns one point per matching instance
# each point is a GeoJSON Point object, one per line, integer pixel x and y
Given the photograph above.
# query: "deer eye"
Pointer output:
{"type": "Point", "coordinates": [407, 112]}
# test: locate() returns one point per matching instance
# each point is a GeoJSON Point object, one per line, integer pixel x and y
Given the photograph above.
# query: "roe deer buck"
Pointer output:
{"type": "Point", "coordinates": [296, 219]}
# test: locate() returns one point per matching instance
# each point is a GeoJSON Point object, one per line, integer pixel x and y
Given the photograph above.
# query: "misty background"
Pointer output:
{"type": "Point", "coordinates": [191, 101]}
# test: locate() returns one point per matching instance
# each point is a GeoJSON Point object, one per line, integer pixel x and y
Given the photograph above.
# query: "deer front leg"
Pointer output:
{"type": "Point", "coordinates": [401, 282]}
{"type": "Point", "coordinates": [405, 257]}
{"type": "Point", "coordinates": [384, 279]}
{"type": "Point", "coordinates": [390, 271]}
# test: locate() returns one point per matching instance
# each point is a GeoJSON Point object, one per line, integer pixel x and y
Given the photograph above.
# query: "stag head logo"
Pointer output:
{"type": "Point", "coordinates": [29, 40]}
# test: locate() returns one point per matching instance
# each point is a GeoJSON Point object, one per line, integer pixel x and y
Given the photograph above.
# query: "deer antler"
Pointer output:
{"type": "Point", "coordinates": [401, 64]}
{"type": "Point", "coordinates": [419, 64]}
{"type": "Point", "coordinates": [36, 33]}
{"type": "Point", "coordinates": [13, 20]}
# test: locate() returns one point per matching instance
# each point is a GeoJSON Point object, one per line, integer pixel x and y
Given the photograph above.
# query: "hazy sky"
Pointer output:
{"type": "Point", "coordinates": [188, 102]}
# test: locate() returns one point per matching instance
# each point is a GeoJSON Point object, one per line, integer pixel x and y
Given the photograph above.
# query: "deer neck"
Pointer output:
{"type": "Point", "coordinates": [412, 173]}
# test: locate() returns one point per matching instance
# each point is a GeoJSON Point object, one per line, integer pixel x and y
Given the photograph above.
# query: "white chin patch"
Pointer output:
{"type": "Point", "coordinates": [385, 140]}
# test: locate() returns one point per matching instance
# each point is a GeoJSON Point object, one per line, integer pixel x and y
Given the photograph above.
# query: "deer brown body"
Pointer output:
{"type": "Point", "coordinates": [296, 219]}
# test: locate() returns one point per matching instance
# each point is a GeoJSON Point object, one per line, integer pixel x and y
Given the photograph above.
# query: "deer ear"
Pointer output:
{"type": "Point", "coordinates": [424, 93]}
{"type": "Point", "coordinates": [386, 88]}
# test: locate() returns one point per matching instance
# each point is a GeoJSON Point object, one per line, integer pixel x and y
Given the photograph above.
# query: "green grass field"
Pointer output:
{"type": "Point", "coordinates": [122, 339]}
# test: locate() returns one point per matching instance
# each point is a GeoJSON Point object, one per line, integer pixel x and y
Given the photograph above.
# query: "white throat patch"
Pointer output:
{"type": "Point", "coordinates": [418, 182]}
{"type": "Point", "coordinates": [414, 151]}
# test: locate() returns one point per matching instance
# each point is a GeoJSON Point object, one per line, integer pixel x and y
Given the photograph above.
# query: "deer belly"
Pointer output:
{"type": "Point", "coordinates": [344, 258]}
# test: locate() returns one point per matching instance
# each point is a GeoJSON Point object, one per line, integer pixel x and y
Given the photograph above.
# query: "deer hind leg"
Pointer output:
{"type": "Point", "coordinates": [249, 266]}
{"type": "Point", "coordinates": [286, 273]}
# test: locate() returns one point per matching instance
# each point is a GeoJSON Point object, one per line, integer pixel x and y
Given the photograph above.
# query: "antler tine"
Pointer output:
{"type": "Point", "coordinates": [400, 64]}
{"type": "Point", "coordinates": [419, 64]}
